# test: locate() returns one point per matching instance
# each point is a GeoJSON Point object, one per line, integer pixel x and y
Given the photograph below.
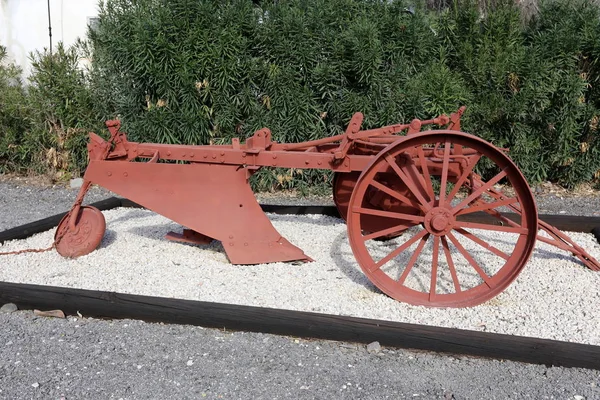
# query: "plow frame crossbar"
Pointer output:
{"type": "Point", "coordinates": [260, 150]}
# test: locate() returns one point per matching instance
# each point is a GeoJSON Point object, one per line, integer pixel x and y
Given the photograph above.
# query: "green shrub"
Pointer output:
{"type": "Point", "coordinates": [531, 86]}
{"type": "Point", "coordinates": [62, 111]}
{"type": "Point", "coordinates": [203, 72]}
{"type": "Point", "coordinates": [14, 153]}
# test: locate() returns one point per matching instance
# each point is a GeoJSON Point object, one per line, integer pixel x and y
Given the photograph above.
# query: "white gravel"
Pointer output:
{"type": "Point", "coordinates": [555, 296]}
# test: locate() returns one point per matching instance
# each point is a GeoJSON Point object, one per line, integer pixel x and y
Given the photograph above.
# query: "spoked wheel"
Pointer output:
{"type": "Point", "coordinates": [442, 260]}
{"type": "Point", "coordinates": [343, 186]}
{"type": "Point", "coordinates": [90, 226]}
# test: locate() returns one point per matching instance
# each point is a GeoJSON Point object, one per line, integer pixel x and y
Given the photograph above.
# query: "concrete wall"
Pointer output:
{"type": "Point", "coordinates": [24, 25]}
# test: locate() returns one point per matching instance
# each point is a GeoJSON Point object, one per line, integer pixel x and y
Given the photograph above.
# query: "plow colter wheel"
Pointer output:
{"type": "Point", "coordinates": [90, 226]}
{"type": "Point", "coordinates": [441, 260]}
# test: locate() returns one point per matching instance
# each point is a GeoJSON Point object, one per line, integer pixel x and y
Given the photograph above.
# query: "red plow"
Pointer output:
{"type": "Point", "coordinates": [407, 196]}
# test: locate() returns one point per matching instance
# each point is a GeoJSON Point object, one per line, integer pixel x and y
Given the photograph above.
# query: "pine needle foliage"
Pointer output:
{"type": "Point", "coordinates": [205, 71]}
{"type": "Point", "coordinates": [533, 85]}
{"type": "Point", "coordinates": [201, 72]}
{"type": "Point", "coordinates": [14, 152]}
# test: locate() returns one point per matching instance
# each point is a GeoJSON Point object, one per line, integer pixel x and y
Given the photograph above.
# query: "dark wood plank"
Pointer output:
{"type": "Point", "coordinates": [570, 223]}
{"type": "Point", "coordinates": [42, 225]}
{"type": "Point", "coordinates": [302, 324]}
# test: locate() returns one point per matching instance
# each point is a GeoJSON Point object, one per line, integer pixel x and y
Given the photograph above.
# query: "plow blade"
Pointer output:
{"type": "Point", "coordinates": [213, 200]}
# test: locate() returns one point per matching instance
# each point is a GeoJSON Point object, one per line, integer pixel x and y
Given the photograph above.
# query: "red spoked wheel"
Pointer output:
{"type": "Point", "coordinates": [442, 259]}
{"type": "Point", "coordinates": [90, 226]}
{"type": "Point", "coordinates": [343, 186]}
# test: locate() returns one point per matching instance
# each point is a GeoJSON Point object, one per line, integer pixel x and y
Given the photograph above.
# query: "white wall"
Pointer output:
{"type": "Point", "coordinates": [24, 25]}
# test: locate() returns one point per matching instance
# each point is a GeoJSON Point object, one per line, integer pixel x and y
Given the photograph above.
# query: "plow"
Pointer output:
{"type": "Point", "coordinates": [407, 193]}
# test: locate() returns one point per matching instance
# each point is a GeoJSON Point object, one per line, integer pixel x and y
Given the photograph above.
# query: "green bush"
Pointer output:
{"type": "Point", "coordinates": [532, 88]}
{"type": "Point", "coordinates": [62, 110]}
{"type": "Point", "coordinates": [203, 72]}
{"type": "Point", "coordinates": [44, 126]}
{"type": "Point", "coordinates": [14, 152]}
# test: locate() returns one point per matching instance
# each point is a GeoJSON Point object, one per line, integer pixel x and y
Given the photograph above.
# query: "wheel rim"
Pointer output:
{"type": "Point", "coordinates": [443, 260]}
{"type": "Point", "coordinates": [87, 235]}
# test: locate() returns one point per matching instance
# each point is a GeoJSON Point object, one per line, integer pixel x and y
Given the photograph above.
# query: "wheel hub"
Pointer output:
{"type": "Point", "coordinates": [439, 221]}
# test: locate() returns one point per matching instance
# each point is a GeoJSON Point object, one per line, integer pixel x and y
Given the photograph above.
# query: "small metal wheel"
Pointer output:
{"type": "Point", "coordinates": [443, 259]}
{"type": "Point", "coordinates": [90, 226]}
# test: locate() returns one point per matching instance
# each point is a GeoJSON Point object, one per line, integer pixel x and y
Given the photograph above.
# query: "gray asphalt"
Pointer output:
{"type": "Point", "coordinates": [83, 358]}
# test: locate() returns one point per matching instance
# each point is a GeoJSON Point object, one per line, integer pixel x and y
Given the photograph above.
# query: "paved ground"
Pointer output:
{"type": "Point", "coordinates": [81, 358]}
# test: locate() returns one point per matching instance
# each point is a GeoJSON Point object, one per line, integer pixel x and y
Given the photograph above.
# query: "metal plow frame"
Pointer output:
{"type": "Point", "coordinates": [386, 184]}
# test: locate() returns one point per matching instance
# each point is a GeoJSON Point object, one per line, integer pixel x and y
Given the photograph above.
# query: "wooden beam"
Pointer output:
{"type": "Point", "coordinates": [570, 223]}
{"type": "Point", "coordinates": [302, 324]}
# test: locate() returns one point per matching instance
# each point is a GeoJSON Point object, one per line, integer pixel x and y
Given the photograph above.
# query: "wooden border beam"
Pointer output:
{"type": "Point", "coordinates": [302, 324]}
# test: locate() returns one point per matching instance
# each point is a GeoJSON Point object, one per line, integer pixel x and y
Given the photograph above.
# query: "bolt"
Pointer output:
{"type": "Point", "coordinates": [192, 155]}
{"type": "Point", "coordinates": [230, 243]}
{"type": "Point", "coordinates": [109, 173]}
{"type": "Point", "coordinates": [125, 174]}
{"type": "Point", "coordinates": [230, 236]}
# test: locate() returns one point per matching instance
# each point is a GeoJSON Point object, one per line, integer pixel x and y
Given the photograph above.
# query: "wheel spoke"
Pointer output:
{"type": "Point", "coordinates": [487, 206]}
{"type": "Point", "coordinates": [480, 190]}
{"type": "Point", "coordinates": [434, 266]}
{"type": "Point", "coordinates": [499, 196]}
{"type": "Point", "coordinates": [463, 177]}
{"type": "Point", "coordinates": [451, 265]}
{"type": "Point", "coordinates": [416, 177]}
{"type": "Point", "coordinates": [445, 165]}
{"type": "Point", "coordinates": [396, 195]}
{"type": "Point", "coordinates": [470, 259]}
{"type": "Point", "coordinates": [483, 243]}
{"type": "Point", "coordinates": [399, 250]}
{"type": "Point", "coordinates": [416, 219]}
{"type": "Point", "coordinates": [407, 181]}
{"type": "Point", "coordinates": [413, 259]}
{"type": "Point", "coordinates": [498, 228]}
{"type": "Point", "coordinates": [426, 175]}
{"type": "Point", "coordinates": [430, 180]}
{"type": "Point", "coordinates": [384, 232]}
{"type": "Point", "coordinates": [502, 218]}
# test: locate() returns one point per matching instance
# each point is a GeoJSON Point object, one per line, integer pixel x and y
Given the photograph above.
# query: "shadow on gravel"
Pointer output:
{"type": "Point", "coordinates": [345, 261]}
{"type": "Point", "coordinates": [158, 232]}
{"type": "Point", "coordinates": [556, 255]}
{"type": "Point", "coordinates": [136, 213]}
{"type": "Point", "coordinates": [109, 238]}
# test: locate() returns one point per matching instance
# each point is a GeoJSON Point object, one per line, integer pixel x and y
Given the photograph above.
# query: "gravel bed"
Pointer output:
{"type": "Point", "coordinates": [555, 297]}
